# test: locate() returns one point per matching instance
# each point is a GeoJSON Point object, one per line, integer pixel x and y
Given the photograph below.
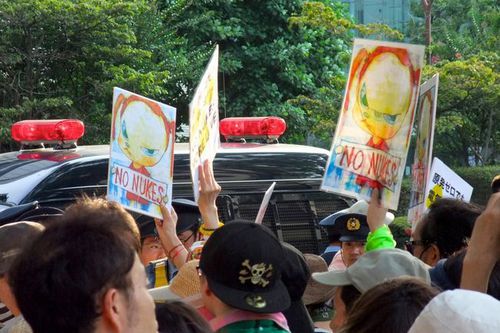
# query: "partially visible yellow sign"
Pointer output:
{"type": "Point", "coordinates": [435, 193]}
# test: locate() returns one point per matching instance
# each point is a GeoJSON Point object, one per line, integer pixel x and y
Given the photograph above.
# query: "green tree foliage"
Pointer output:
{"type": "Point", "coordinates": [334, 17]}
{"type": "Point", "coordinates": [330, 23]}
{"type": "Point", "coordinates": [467, 113]}
{"type": "Point", "coordinates": [460, 28]}
{"type": "Point", "coordinates": [61, 58]}
{"type": "Point", "coordinates": [480, 179]}
{"type": "Point", "coordinates": [465, 48]}
{"type": "Point", "coordinates": [399, 228]}
{"type": "Point", "coordinates": [267, 65]}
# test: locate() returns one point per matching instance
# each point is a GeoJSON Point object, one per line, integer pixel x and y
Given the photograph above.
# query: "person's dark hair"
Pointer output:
{"type": "Point", "coordinates": [453, 269]}
{"type": "Point", "coordinates": [59, 280]}
{"type": "Point", "coordinates": [295, 274]}
{"type": "Point", "coordinates": [495, 184]}
{"type": "Point", "coordinates": [178, 317]}
{"type": "Point", "coordinates": [42, 215]}
{"type": "Point", "coordinates": [349, 294]}
{"type": "Point", "coordinates": [449, 224]}
{"type": "Point", "coordinates": [195, 227]}
{"type": "Point", "coordinates": [333, 238]}
{"type": "Point", "coordinates": [101, 211]}
{"type": "Point", "coordinates": [389, 307]}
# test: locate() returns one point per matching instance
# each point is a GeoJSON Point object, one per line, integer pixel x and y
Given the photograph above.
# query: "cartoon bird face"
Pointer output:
{"type": "Point", "coordinates": [423, 135]}
{"type": "Point", "coordinates": [384, 95]}
{"type": "Point", "coordinates": [142, 135]}
{"type": "Point", "coordinates": [210, 91]}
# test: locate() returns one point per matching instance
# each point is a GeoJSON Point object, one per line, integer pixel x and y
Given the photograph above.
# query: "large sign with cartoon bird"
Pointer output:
{"type": "Point", "coordinates": [204, 137]}
{"type": "Point", "coordinates": [424, 129]}
{"type": "Point", "coordinates": [141, 153]}
{"type": "Point", "coordinates": [372, 136]}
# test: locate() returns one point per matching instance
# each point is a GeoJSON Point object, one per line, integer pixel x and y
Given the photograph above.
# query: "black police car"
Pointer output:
{"type": "Point", "coordinates": [54, 177]}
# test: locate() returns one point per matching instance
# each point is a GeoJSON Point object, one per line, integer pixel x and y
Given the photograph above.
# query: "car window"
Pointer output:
{"type": "Point", "coordinates": [78, 175]}
{"type": "Point", "coordinates": [71, 181]}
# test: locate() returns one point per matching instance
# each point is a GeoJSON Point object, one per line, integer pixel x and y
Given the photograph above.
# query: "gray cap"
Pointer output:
{"type": "Point", "coordinates": [13, 238]}
{"type": "Point", "coordinates": [375, 267]}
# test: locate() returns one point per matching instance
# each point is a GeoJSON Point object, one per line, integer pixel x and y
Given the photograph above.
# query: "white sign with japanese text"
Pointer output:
{"type": "Point", "coordinates": [445, 183]}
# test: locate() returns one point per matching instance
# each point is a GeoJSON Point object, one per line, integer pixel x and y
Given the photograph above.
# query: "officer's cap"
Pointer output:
{"type": "Point", "coordinates": [351, 222]}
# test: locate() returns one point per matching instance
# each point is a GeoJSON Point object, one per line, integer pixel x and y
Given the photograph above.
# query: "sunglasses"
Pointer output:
{"type": "Point", "coordinates": [410, 244]}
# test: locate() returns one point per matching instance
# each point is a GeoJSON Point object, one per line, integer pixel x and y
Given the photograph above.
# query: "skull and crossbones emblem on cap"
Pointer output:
{"type": "Point", "coordinates": [258, 274]}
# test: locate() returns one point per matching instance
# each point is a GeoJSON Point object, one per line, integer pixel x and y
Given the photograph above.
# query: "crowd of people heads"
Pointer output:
{"type": "Point", "coordinates": [401, 297]}
{"type": "Point", "coordinates": [14, 238]}
{"type": "Point", "coordinates": [83, 274]}
{"type": "Point", "coordinates": [177, 316]}
{"type": "Point", "coordinates": [87, 271]}
{"type": "Point", "coordinates": [444, 230]}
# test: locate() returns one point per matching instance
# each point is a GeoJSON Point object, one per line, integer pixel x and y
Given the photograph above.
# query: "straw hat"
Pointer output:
{"type": "Point", "coordinates": [185, 284]}
{"type": "Point", "coordinates": [316, 292]}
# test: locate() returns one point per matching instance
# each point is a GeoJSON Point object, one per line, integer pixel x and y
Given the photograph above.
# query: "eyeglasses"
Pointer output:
{"type": "Point", "coordinates": [183, 241]}
{"type": "Point", "coordinates": [410, 244]}
{"type": "Point", "coordinates": [198, 270]}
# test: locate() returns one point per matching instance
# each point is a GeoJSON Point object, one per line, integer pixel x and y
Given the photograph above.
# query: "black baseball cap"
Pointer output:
{"type": "Point", "coordinates": [242, 262]}
{"type": "Point", "coordinates": [295, 275]}
{"type": "Point", "coordinates": [188, 215]}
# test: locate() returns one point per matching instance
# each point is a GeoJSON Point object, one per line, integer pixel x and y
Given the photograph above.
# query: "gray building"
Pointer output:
{"type": "Point", "coordinates": [394, 13]}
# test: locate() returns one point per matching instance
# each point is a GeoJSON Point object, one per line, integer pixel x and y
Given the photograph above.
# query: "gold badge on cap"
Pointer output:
{"type": "Point", "coordinates": [257, 274]}
{"type": "Point", "coordinates": [256, 301]}
{"type": "Point", "coordinates": [353, 224]}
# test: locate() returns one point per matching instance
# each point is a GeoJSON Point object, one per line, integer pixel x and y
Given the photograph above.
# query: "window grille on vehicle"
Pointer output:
{"type": "Point", "coordinates": [293, 217]}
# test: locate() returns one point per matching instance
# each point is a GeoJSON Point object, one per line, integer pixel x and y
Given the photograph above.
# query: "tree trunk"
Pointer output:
{"type": "Point", "coordinates": [29, 67]}
{"type": "Point", "coordinates": [485, 152]}
{"type": "Point", "coordinates": [427, 6]}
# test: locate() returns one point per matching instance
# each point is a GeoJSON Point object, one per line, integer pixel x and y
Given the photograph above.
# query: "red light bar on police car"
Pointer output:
{"type": "Point", "coordinates": [47, 131]}
{"type": "Point", "coordinates": [252, 127]}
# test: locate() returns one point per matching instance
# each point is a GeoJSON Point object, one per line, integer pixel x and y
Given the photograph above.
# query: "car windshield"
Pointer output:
{"type": "Point", "coordinates": [17, 165]}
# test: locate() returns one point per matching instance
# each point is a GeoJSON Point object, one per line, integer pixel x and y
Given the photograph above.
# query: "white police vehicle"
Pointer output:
{"type": "Point", "coordinates": [55, 177]}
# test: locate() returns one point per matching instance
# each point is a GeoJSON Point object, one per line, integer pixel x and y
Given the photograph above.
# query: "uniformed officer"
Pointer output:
{"type": "Point", "coordinates": [353, 229]}
{"type": "Point", "coordinates": [333, 233]}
